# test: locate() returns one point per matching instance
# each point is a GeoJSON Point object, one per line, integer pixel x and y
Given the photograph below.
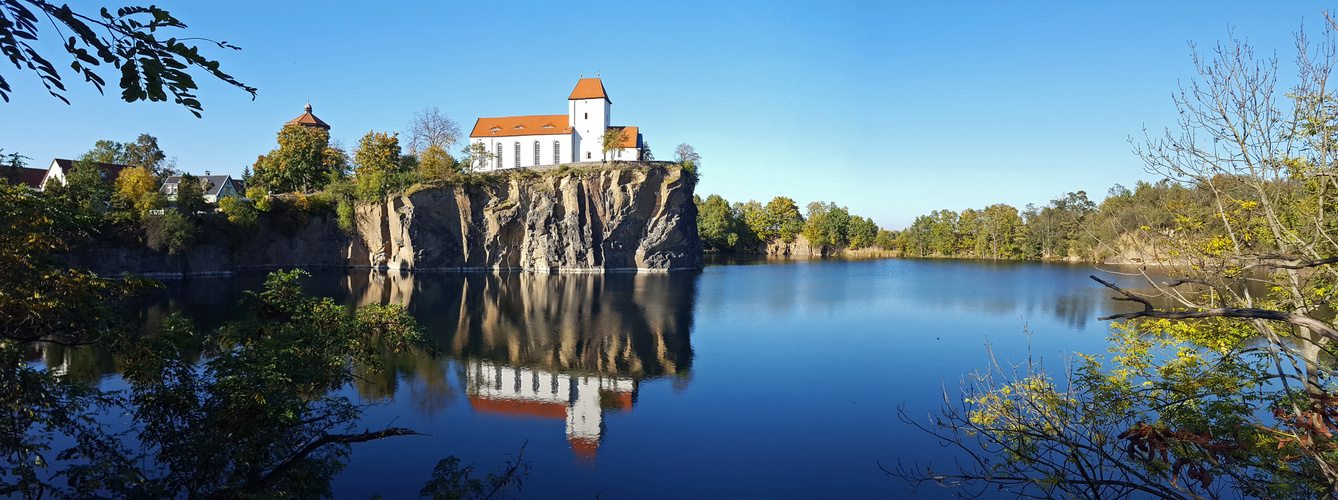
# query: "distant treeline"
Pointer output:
{"type": "Point", "coordinates": [1069, 227]}
{"type": "Point", "coordinates": [748, 227]}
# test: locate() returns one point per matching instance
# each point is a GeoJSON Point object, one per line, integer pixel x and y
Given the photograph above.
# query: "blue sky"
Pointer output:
{"type": "Point", "coordinates": [891, 109]}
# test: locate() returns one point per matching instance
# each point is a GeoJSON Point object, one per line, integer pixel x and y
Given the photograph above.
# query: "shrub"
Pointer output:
{"type": "Point", "coordinates": [171, 231]}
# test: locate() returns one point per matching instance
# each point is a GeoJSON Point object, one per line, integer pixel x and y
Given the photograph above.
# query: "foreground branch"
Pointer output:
{"type": "Point", "coordinates": [278, 472]}
{"type": "Point", "coordinates": [1148, 311]}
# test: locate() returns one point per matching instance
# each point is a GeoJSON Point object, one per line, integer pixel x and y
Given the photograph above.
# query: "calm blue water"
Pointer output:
{"type": "Point", "coordinates": [775, 380]}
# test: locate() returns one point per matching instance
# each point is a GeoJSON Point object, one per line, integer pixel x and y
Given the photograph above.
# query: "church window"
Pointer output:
{"type": "Point", "coordinates": [557, 152]}
{"type": "Point", "coordinates": [536, 153]}
{"type": "Point", "coordinates": [587, 116]}
{"type": "Point", "coordinates": [587, 155]}
{"type": "Point", "coordinates": [517, 164]}
{"type": "Point", "coordinates": [499, 155]}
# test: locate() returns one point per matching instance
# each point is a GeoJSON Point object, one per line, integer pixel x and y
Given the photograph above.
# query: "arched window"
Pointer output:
{"type": "Point", "coordinates": [499, 155]}
{"type": "Point", "coordinates": [517, 164]}
{"type": "Point", "coordinates": [536, 153]}
{"type": "Point", "coordinates": [557, 152]}
{"type": "Point", "coordinates": [587, 155]}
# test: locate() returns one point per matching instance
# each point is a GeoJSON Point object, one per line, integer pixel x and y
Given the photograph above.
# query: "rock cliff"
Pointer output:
{"type": "Point", "coordinates": [597, 220]}
{"type": "Point", "coordinates": [606, 220]}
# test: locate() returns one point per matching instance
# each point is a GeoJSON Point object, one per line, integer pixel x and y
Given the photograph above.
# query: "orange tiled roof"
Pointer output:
{"type": "Point", "coordinates": [519, 407]}
{"type": "Point", "coordinates": [630, 140]}
{"type": "Point", "coordinates": [589, 88]}
{"type": "Point", "coordinates": [508, 126]}
{"type": "Point", "coordinates": [309, 120]}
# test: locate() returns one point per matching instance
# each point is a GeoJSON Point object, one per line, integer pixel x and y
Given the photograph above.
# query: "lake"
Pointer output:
{"type": "Point", "coordinates": [750, 378]}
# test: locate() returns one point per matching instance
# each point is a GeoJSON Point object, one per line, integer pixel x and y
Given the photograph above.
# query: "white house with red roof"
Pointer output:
{"type": "Point", "coordinates": [540, 140]}
{"type": "Point", "coordinates": [580, 400]}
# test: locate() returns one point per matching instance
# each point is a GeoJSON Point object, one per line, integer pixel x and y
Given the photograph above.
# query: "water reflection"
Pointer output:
{"type": "Point", "coordinates": [568, 347]}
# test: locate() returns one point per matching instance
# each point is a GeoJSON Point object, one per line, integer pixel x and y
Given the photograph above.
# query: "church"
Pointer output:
{"type": "Point", "coordinates": [540, 140]}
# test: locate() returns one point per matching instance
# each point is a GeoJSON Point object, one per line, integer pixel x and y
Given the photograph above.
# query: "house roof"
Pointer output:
{"type": "Point", "coordinates": [508, 126]}
{"type": "Point", "coordinates": [31, 177]}
{"type": "Point", "coordinates": [633, 138]}
{"type": "Point", "coordinates": [309, 120]}
{"type": "Point", "coordinates": [518, 407]}
{"type": "Point", "coordinates": [110, 171]}
{"type": "Point", "coordinates": [589, 88]}
{"type": "Point", "coordinates": [215, 183]}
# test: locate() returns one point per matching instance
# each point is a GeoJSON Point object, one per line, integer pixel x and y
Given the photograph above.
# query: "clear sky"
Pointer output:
{"type": "Point", "coordinates": [892, 109]}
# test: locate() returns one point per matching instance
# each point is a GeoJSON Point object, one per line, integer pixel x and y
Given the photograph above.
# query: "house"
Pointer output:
{"type": "Point", "coordinates": [59, 168]}
{"type": "Point", "coordinates": [536, 140]}
{"type": "Point", "coordinates": [579, 399]}
{"type": "Point", "coordinates": [215, 187]}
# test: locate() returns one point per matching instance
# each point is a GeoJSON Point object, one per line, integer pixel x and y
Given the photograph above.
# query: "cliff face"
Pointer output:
{"type": "Point", "coordinates": [609, 220]}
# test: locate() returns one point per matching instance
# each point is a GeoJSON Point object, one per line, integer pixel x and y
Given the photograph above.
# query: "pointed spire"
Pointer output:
{"type": "Point", "coordinates": [308, 108]}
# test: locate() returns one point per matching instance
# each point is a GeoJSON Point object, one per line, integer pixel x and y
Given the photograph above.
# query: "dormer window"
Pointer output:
{"type": "Point", "coordinates": [546, 126]}
{"type": "Point", "coordinates": [518, 127]}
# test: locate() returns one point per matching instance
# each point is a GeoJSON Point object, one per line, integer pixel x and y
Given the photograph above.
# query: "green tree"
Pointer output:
{"type": "Point", "coordinates": [147, 68]}
{"type": "Point", "coordinates": [863, 232]}
{"type": "Point", "coordinates": [477, 156]}
{"type": "Point", "coordinates": [718, 224]}
{"type": "Point", "coordinates": [190, 195]}
{"type": "Point", "coordinates": [305, 160]}
{"type": "Point", "coordinates": [784, 214]}
{"type": "Point", "coordinates": [379, 166]}
{"type": "Point", "coordinates": [758, 221]}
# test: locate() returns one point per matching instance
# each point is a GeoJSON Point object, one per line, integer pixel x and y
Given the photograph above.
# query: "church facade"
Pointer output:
{"type": "Point", "coordinates": [543, 140]}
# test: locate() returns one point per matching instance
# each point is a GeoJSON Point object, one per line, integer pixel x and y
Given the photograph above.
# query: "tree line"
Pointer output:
{"type": "Point", "coordinates": [750, 227]}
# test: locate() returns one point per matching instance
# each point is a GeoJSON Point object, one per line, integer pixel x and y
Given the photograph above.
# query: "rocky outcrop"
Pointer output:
{"type": "Point", "coordinates": [614, 219]}
{"type": "Point", "coordinates": [622, 219]}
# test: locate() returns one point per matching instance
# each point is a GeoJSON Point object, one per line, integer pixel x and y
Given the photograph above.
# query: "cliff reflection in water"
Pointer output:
{"type": "Point", "coordinates": [569, 346]}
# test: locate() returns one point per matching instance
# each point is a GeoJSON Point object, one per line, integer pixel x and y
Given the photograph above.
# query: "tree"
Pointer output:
{"type": "Point", "coordinates": [687, 157]}
{"type": "Point", "coordinates": [719, 224]}
{"type": "Point", "coordinates": [190, 195]}
{"type": "Point", "coordinates": [828, 225]}
{"type": "Point", "coordinates": [644, 153]}
{"type": "Point", "coordinates": [435, 163]}
{"type": "Point", "coordinates": [613, 139]}
{"type": "Point", "coordinates": [1226, 381]}
{"type": "Point", "coordinates": [863, 232]}
{"type": "Point", "coordinates": [477, 156]}
{"type": "Point", "coordinates": [133, 183]}
{"type": "Point", "coordinates": [784, 214]}
{"type": "Point", "coordinates": [378, 165]}
{"type": "Point", "coordinates": [144, 152]}
{"type": "Point", "coordinates": [430, 128]}
{"type": "Point", "coordinates": [304, 161]}
{"type": "Point", "coordinates": [11, 164]}
{"type": "Point", "coordinates": [148, 68]}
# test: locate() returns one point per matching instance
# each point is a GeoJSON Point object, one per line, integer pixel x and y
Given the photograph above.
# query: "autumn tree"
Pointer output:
{"type": "Point", "coordinates": [378, 166]}
{"type": "Point", "coordinates": [147, 68]}
{"type": "Point", "coordinates": [133, 185]}
{"type": "Point", "coordinates": [613, 139]}
{"type": "Point", "coordinates": [305, 160]}
{"type": "Point", "coordinates": [827, 225]}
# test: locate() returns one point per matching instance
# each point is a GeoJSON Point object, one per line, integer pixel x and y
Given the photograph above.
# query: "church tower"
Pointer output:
{"type": "Point", "coordinates": [588, 116]}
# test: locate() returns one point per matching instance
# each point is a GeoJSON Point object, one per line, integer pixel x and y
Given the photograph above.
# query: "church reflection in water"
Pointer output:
{"type": "Point", "coordinates": [570, 347]}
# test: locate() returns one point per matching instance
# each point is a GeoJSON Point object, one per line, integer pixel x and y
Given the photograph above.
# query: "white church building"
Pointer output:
{"type": "Point", "coordinates": [539, 140]}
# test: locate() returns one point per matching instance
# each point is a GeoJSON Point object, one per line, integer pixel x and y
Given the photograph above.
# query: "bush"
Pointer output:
{"type": "Point", "coordinates": [171, 231]}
